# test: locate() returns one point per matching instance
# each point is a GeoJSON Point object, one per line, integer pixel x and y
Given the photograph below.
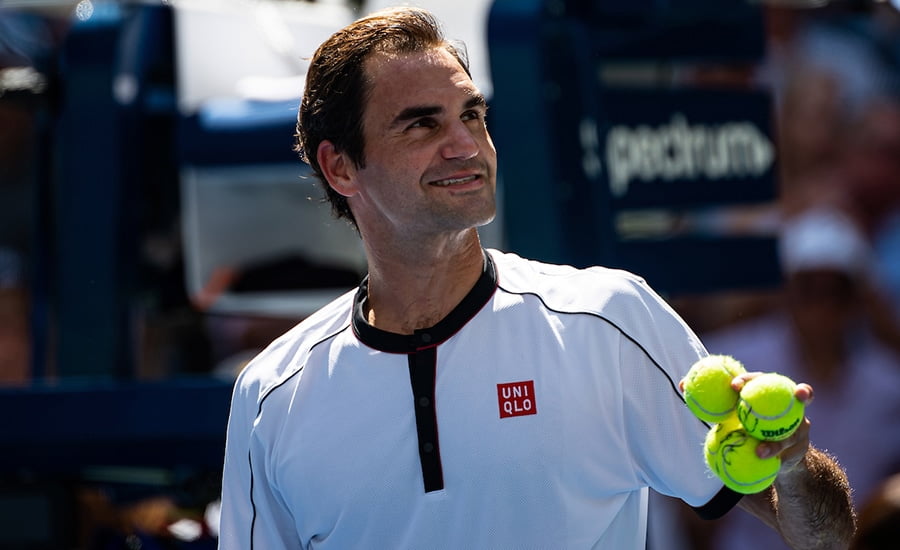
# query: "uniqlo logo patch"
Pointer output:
{"type": "Point", "coordinates": [516, 399]}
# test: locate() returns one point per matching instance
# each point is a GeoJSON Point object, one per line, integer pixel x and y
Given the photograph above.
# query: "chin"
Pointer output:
{"type": "Point", "coordinates": [486, 220]}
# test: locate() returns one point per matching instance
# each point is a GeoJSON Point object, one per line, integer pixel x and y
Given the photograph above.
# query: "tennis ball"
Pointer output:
{"type": "Point", "coordinates": [707, 387]}
{"type": "Point", "coordinates": [730, 453]}
{"type": "Point", "coordinates": [767, 407]}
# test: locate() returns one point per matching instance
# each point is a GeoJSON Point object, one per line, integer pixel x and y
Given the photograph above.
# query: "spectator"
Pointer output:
{"type": "Point", "coordinates": [821, 334]}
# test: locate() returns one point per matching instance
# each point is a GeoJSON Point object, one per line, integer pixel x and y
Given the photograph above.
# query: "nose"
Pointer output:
{"type": "Point", "coordinates": [460, 142]}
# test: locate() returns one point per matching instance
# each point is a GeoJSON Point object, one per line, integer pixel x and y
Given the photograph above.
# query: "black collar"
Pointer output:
{"type": "Point", "coordinates": [427, 337]}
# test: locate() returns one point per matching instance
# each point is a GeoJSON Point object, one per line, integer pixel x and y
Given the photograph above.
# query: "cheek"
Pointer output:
{"type": "Point", "coordinates": [386, 184]}
{"type": "Point", "coordinates": [395, 159]}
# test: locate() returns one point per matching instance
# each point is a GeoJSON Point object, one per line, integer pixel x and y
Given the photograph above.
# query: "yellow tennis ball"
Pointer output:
{"type": "Point", "coordinates": [768, 408]}
{"type": "Point", "coordinates": [730, 453]}
{"type": "Point", "coordinates": [707, 387]}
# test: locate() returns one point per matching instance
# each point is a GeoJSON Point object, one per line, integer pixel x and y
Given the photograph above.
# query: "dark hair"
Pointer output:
{"type": "Point", "coordinates": [336, 88]}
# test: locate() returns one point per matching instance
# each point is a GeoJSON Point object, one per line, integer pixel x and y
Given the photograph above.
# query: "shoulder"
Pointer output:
{"type": "Point", "coordinates": [287, 354]}
{"type": "Point", "coordinates": [615, 297]}
{"type": "Point", "coordinates": [570, 288]}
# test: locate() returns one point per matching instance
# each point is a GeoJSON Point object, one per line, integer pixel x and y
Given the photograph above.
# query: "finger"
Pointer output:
{"type": "Point", "coordinates": [791, 450]}
{"type": "Point", "coordinates": [737, 383]}
{"type": "Point", "coordinates": [804, 392]}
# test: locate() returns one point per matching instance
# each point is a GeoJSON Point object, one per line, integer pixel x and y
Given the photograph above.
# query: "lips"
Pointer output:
{"type": "Point", "coordinates": [455, 181]}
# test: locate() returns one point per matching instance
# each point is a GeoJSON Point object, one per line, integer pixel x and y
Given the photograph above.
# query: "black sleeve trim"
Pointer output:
{"type": "Point", "coordinates": [719, 505]}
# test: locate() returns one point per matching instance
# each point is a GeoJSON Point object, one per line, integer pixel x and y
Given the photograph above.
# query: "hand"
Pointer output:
{"type": "Point", "coordinates": [794, 448]}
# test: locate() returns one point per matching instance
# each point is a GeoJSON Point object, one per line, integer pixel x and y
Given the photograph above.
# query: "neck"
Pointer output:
{"type": "Point", "coordinates": [417, 290]}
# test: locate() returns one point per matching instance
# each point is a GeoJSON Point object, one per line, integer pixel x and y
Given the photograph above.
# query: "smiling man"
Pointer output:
{"type": "Point", "coordinates": [463, 397]}
{"type": "Point", "coordinates": [426, 181]}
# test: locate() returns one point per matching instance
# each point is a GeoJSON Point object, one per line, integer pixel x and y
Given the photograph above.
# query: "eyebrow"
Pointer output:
{"type": "Point", "coordinates": [412, 113]}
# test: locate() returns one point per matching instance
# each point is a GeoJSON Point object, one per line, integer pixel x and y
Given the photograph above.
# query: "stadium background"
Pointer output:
{"type": "Point", "coordinates": [157, 228]}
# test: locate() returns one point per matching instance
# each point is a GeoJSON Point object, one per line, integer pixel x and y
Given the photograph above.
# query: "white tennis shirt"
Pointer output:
{"type": "Point", "coordinates": [535, 415]}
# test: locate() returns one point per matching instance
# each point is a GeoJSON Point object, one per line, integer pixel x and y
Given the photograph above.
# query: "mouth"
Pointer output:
{"type": "Point", "coordinates": [449, 182]}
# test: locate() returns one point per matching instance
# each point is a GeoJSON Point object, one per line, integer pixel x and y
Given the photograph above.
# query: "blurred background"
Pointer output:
{"type": "Point", "coordinates": [157, 229]}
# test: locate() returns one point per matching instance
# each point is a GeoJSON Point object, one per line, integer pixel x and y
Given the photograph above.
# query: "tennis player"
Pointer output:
{"type": "Point", "coordinates": [463, 397]}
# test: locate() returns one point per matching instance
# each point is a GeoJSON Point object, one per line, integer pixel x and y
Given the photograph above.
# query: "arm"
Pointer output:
{"type": "Point", "coordinates": [809, 503]}
{"type": "Point", "coordinates": [252, 514]}
{"type": "Point", "coordinates": [237, 509]}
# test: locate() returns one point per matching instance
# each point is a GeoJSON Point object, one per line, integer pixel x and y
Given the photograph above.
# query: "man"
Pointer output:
{"type": "Point", "coordinates": [464, 398]}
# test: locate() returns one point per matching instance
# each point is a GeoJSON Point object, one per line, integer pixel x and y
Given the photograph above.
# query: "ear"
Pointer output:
{"type": "Point", "coordinates": [338, 169]}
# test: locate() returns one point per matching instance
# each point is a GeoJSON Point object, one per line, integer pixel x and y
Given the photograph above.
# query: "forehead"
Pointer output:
{"type": "Point", "coordinates": [431, 77]}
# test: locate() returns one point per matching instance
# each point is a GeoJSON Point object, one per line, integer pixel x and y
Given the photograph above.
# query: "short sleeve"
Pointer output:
{"type": "Point", "coordinates": [252, 515]}
{"type": "Point", "coordinates": [665, 438]}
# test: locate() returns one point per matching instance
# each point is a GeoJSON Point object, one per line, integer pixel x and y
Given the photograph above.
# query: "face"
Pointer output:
{"type": "Point", "coordinates": [430, 165]}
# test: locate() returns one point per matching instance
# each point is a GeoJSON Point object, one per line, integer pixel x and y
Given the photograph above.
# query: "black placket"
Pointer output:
{"type": "Point", "coordinates": [422, 377]}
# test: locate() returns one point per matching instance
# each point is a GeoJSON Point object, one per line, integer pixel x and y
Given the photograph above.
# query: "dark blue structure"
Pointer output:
{"type": "Point", "coordinates": [109, 164]}
{"type": "Point", "coordinates": [584, 144]}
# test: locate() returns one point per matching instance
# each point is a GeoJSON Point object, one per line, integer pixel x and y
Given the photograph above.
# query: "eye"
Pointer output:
{"type": "Point", "coordinates": [476, 114]}
{"type": "Point", "coordinates": [472, 114]}
{"type": "Point", "coordinates": [424, 122]}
